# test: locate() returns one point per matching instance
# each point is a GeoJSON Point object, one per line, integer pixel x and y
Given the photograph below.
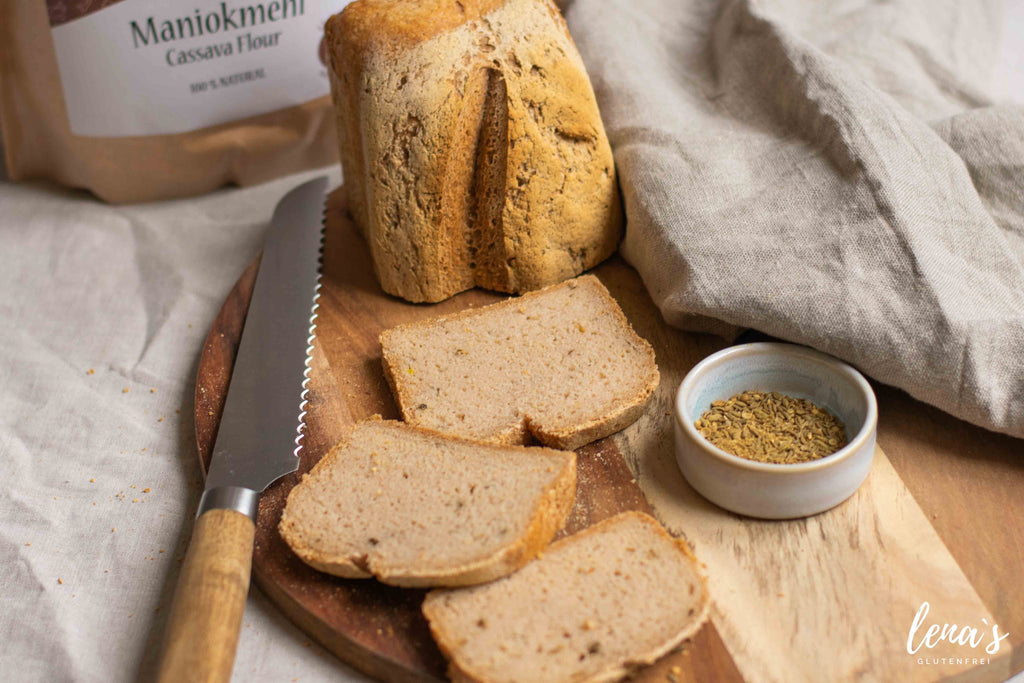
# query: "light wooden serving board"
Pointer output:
{"type": "Point", "coordinates": [826, 598]}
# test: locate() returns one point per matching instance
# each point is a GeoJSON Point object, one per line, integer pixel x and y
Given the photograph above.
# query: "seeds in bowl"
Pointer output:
{"type": "Point", "coordinates": [771, 427]}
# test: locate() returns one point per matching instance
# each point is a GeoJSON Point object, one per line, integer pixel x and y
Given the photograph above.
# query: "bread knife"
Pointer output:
{"type": "Point", "coordinates": [258, 441]}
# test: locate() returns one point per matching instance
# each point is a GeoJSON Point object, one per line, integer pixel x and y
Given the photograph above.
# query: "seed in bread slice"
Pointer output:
{"type": "Point", "coordinates": [416, 508]}
{"type": "Point", "coordinates": [595, 606]}
{"type": "Point", "coordinates": [561, 365]}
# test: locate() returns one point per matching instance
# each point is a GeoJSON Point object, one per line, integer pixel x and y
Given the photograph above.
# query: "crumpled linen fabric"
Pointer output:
{"type": "Point", "coordinates": [833, 174]}
{"type": "Point", "coordinates": [103, 312]}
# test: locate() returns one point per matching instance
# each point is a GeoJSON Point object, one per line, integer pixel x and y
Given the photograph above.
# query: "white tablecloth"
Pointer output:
{"type": "Point", "coordinates": [103, 311]}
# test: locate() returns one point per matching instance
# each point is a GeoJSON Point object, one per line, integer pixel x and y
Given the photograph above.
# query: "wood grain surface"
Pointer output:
{"type": "Point", "coordinates": [827, 598]}
{"type": "Point", "coordinates": [206, 616]}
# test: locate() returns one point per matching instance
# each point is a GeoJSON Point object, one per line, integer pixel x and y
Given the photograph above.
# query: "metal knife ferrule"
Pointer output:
{"type": "Point", "coordinates": [236, 498]}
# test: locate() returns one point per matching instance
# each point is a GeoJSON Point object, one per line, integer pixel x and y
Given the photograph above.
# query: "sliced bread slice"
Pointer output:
{"type": "Point", "coordinates": [595, 606]}
{"type": "Point", "coordinates": [561, 365]}
{"type": "Point", "coordinates": [416, 508]}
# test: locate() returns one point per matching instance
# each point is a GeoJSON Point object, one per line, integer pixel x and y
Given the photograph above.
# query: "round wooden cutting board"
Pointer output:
{"type": "Point", "coordinates": [377, 628]}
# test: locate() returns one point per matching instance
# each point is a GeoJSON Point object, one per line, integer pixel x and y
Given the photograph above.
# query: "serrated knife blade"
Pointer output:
{"type": "Point", "coordinates": [261, 426]}
{"type": "Point", "coordinates": [258, 441]}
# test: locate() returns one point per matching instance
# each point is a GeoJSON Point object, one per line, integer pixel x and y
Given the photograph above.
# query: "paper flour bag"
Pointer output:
{"type": "Point", "coordinates": [138, 100]}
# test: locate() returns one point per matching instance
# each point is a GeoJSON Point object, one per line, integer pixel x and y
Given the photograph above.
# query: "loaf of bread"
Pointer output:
{"type": "Point", "coordinates": [415, 508]}
{"type": "Point", "coordinates": [472, 148]}
{"type": "Point", "coordinates": [561, 366]}
{"type": "Point", "coordinates": [595, 606]}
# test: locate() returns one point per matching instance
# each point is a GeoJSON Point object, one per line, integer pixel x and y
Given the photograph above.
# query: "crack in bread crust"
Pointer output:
{"type": "Point", "coordinates": [506, 180]}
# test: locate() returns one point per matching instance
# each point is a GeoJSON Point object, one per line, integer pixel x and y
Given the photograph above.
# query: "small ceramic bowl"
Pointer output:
{"type": "Point", "coordinates": [767, 490]}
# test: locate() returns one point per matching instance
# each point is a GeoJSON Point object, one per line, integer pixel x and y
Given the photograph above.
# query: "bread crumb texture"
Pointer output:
{"type": "Point", "coordinates": [471, 144]}
{"type": "Point", "coordinates": [415, 508]}
{"type": "Point", "coordinates": [596, 606]}
{"type": "Point", "coordinates": [561, 366]}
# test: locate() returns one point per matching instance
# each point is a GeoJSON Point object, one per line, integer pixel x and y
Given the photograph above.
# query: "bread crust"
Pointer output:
{"type": "Point", "coordinates": [532, 427]}
{"type": "Point", "coordinates": [459, 673]}
{"type": "Point", "coordinates": [472, 148]}
{"type": "Point", "coordinates": [551, 507]}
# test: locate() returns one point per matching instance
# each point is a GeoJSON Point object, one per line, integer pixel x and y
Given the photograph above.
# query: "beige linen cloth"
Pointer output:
{"type": "Point", "coordinates": [103, 312]}
{"type": "Point", "coordinates": [837, 174]}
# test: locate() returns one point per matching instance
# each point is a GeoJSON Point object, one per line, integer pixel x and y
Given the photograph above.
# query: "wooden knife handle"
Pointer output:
{"type": "Point", "coordinates": [202, 633]}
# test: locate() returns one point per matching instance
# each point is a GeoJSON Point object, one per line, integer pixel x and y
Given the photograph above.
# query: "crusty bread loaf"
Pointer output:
{"type": "Point", "coordinates": [415, 508]}
{"type": "Point", "coordinates": [471, 144]}
{"type": "Point", "coordinates": [561, 365]}
{"type": "Point", "coordinates": [593, 607]}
